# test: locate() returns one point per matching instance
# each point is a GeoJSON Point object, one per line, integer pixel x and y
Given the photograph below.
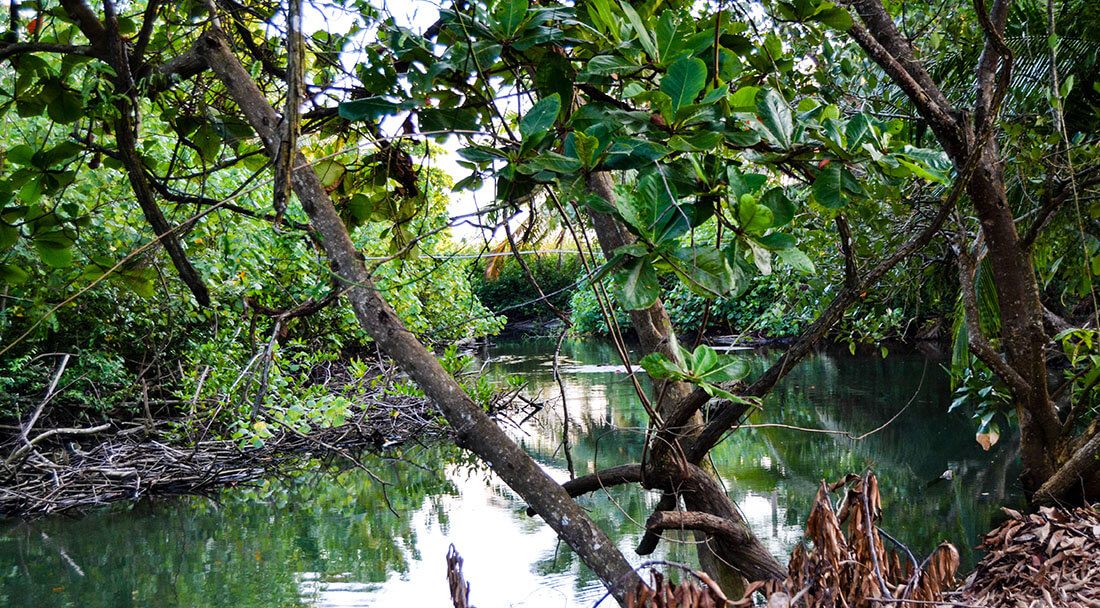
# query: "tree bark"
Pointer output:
{"type": "Point", "coordinates": [1047, 454]}
{"type": "Point", "coordinates": [473, 429]}
{"type": "Point", "coordinates": [749, 558]}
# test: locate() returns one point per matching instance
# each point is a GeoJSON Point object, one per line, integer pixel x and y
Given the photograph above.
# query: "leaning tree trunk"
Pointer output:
{"type": "Point", "coordinates": [473, 429]}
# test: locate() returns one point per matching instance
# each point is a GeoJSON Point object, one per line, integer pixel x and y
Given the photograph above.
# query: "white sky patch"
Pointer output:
{"type": "Point", "coordinates": [416, 15]}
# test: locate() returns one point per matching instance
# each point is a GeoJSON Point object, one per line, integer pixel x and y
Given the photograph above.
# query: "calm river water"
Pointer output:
{"type": "Point", "coordinates": [332, 538]}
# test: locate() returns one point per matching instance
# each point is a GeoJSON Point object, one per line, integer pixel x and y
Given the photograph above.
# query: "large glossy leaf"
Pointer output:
{"type": "Point", "coordinates": [775, 115]}
{"type": "Point", "coordinates": [660, 367]}
{"type": "Point", "coordinates": [509, 17]}
{"type": "Point", "coordinates": [652, 211]}
{"type": "Point", "coordinates": [827, 189]}
{"type": "Point", "coordinates": [644, 36]}
{"type": "Point", "coordinates": [858, 130]}
{"type": "Point", "coordinates": [67, 107]}
{"type": "Point", "coordinates": [753, 217]}
{"type": "Point", "coordinates": [539, 119]}
{"type": "Point", "coordinates": [782, 208]}
{"type": "Point", "coordinates": [371, 108]}
{"type": "Point", "coordinates": [631, 153]}
{"type": "Point", "coordinates": [587, 148]}
{"type": "Point", "coordinates": [636, 285]}
{"type": "Point", "coordinates": [605, 65]}
{"type": "Point", "coordinates": [684, 81]}
{"type": "Point", "coordinates": [706, 271]}
{"type": "Point", "coordinates": [553, 162]}
{"type": "Point", "coordinates": [836, 17]}
{"type": "Point", "coordinates": [797, 259]}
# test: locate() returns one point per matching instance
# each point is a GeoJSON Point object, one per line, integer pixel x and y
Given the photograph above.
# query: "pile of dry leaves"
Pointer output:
{"type": "Point", "coordinates": [1045, 559]}
{"type": "Point", "coordinates": [847, 564]}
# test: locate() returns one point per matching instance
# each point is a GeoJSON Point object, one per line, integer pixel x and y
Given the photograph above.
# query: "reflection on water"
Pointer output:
{"type": "Point", "coordinates": [329, 538]}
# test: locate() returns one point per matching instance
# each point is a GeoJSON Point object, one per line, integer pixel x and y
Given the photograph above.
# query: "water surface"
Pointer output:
{"type": "Point", "coordinates": [329, 537]}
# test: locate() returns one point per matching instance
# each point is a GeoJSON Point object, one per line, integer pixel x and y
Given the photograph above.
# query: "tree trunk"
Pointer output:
{"type": "Point", "coordinates": [473, 429]}
{"type": "Point", "coordinates": [749, 559]}
{"type": "Point", "coordinates": [1053, 461]}
{"type": "Point", "coordinates": [1022, 332]}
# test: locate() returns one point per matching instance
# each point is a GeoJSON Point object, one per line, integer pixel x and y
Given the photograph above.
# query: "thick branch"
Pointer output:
{"type": "Point", "coordinates": [696, 520]}
{"type": "Point", "coordinates": [20, 48]}
{"type": "Point", "coordinates": [848, 248]}
{"type": "Point", "coordinates": [607, 478]}
{"type": "Point", "coordinates": [891, 51]}
{"type": "Point", "coordinates": [89, 25]}
{"type": "Point", "coordinates": [979, 344]}
{"type": "Point", "coordinates": [126, 137]}
{"type": "Point", "coordinates": [1079, 470]}
{"type": "Point", "coordinates": [992, 82]}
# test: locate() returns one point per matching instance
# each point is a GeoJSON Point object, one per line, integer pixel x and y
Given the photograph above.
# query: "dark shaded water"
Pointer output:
{"type": "Point", "coordinates": [328, 538]}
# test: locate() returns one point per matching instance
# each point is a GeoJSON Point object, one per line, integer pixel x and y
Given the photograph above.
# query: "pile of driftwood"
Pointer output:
{"type": "Point", "coordinates": [1045, 559]}
{"type": "Point", "coordinates": [50, 473]}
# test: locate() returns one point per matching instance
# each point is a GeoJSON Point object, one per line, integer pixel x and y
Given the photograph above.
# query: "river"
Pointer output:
{"type": "Point", "coordinates": [328, 537]}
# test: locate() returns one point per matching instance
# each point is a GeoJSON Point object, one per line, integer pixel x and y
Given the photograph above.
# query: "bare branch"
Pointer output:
{"type": "Point", "coordinates": [607, 478]}
{"type": "Point", "coordinates": [697, 520]}
{"type": "Point", "coordinates": [21, 48]}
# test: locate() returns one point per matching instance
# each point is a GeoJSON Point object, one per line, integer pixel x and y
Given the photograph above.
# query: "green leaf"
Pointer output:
{"type": "Point", "coordinates": [31, 191]}
{"type": "Point", "coordinates": [553, 162]}
{"type": "Point", "coordinates": [836, 18]}
{"type": "Point", "coordinates": [371, 108]}
{"type": "Point", "coordinates": [636, 285]}
{"type": "Point", "coordinates": [652, 211]}
{"type": "Point", "coordinates": [753, 217]}
{"type": "Point", "coordinates": [684, 81]}
{"type": "Point", "coordinates": [509, 16]}
{"type": "Point", "coordinates": [8, 236]}
{"type": "Point", "coordinates": [480, 154]}
{"type": "Point", "coordinates": [13, 275]}
{"type": "Point", "coordinates": [728, 369]}
{"type": "Point", "coordinates": [540, 117]}
{"type": "Point", "coordinates": [208, 142]}
{"type": "Point", "coordinates": [587, 148]}
{"type": "Point", "coordinates": [21, 154]}
{"type": "Point", "coordinates": [703, 360]}
{"type": "Point", "coordinates": [777, 241]}
{"type": "Point", "coordinates": [715, 94]}
{"type": "Point", "coordinates": [827, 188]}
{"type": "Point", "coordinates": [329, 172]}
{"type": "Point", "coordinates": [858, 129]}
{"type": "Point", "coordinates": [782, 208]}
{"type": "Point", "coordinates": [744, 99]}
{"type": "Point", "coordinates": [775, 115]}
{"type": "Point", "coordinates": [447, 119]}
{"type": "Point", "coordinates": [633, 153]}
{"type": "Point", "coordinates": [639, 28]}
{"type": "Point", "coordinates": [706, 271]}
{"type": "Point", "coordinates": [605, 65]}
{"type": "Point", "coordinates": [719, 392]}
{"type": "Point", "coordinates": [54, 255]}
{"type": "Point", "coordinates": [797, 259]}
{"type": "Point", "coordinates": [67, 107]}
{"type": "Point", "coordinates": [660, 367]}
